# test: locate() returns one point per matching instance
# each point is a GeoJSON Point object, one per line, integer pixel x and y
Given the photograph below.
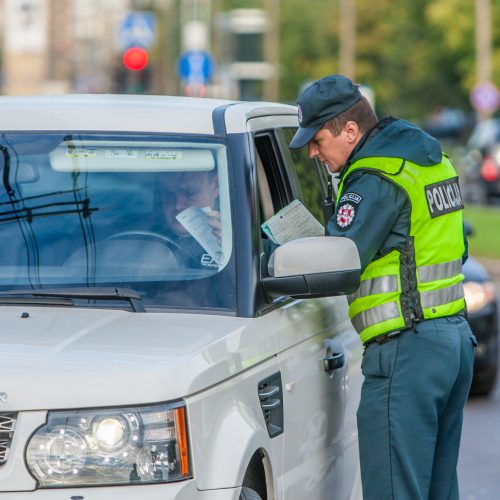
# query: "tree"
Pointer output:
{"type": "Point", "coordinates": [417, 55]}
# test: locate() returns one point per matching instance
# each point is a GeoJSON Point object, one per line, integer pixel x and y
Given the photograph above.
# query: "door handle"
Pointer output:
{"type": "Point", "coordinates": [333, 362]}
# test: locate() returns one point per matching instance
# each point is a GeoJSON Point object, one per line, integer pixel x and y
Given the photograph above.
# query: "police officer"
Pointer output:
{"type": "Point", "coordinates": [399, 201]}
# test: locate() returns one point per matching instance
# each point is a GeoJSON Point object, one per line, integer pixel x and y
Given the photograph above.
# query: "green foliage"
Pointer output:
{"type": "Point", "coordinates": [309, 43]}
{"type": "Point", "coordinates": [416, 54]}
{"type": "Point", "coordinates": [485, 242]}
{"type": "Point", "coordinates": [454, 19]}
{"type": "Point", "coordinates": [400, 54]}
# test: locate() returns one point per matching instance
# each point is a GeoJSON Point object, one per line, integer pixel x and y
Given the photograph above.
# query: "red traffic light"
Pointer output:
{"type": "Point", "coordinates": [135, 58]}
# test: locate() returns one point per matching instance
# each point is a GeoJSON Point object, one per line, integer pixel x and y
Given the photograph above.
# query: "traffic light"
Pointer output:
{"type": "Point", "coordinates": [135, 58]}
{"type": "Point", "coordinates": [134, 72]}
{"type": "Point", "coordinates": [133, 75]}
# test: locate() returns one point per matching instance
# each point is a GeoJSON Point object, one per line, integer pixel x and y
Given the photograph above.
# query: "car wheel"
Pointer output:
{"type": "Point", "coordinates": [483, 384]}
{"type": "Point", "coordinates": [484, 379]}
{"type": "Point", "coordinates": [249, 494]}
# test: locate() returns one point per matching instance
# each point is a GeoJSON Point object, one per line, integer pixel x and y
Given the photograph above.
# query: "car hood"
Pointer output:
{"type": "Point", "coordinates": [473, 270]}
{"type": "Point", "coordinates": [68, 357]}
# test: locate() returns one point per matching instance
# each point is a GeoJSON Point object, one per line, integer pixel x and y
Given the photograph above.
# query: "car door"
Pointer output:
{"type": "Point", "coordinates": [319, 439]}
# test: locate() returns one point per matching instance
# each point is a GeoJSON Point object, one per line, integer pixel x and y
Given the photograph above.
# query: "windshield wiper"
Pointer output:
{"type": "Point", "coordinates": [85, 293]}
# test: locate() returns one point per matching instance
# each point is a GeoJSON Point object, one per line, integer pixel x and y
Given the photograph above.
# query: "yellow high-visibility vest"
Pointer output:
{"type": "Point", "coordinates": [423, 280]}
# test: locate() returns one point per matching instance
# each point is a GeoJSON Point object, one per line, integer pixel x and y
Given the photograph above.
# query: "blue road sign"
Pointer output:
{"type": "Point", "coordinates": [137, 29]}
{"type": "Point", "coordinates": [195, 66]}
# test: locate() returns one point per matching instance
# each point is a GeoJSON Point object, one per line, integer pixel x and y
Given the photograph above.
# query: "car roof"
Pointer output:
{"type": "Point", "coordinates": [129, 113]}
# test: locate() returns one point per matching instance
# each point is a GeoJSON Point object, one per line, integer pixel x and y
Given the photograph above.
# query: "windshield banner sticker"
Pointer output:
{"type": "Point", "coordinates": [444, 197]}
{"type": "Point", "coordinates": [163, 155]}
{"type": "Point", "coordinates": [80, 152]}
{"type": "Point", "coordinates": [121, 154]}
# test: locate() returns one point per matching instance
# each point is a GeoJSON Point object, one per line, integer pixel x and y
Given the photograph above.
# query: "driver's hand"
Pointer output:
{"type": "Point", "coordinates": [214, 223]}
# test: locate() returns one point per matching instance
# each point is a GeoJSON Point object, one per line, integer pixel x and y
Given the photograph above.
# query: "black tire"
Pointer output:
{"type": "Point", "coordinates": [483, 383]}
{"type": "Point", "coordinates": [249, 494]}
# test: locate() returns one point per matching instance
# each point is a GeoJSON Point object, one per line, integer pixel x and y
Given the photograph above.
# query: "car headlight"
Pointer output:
{"type": "Point", "coordinates": [111, 446]}
{"type": "Point", "coordinates": [478, 295]}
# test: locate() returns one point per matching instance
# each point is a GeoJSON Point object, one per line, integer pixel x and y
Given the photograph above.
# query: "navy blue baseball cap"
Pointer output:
{"type": "Point", "coordinates": [320, 102]}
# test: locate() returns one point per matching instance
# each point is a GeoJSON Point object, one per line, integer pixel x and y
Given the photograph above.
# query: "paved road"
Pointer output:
{"type": "Point", "coordinates": [479, 462]}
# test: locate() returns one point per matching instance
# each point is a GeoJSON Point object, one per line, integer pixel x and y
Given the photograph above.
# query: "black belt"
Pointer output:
{"type": "Point", "coordinates": [382, 339]}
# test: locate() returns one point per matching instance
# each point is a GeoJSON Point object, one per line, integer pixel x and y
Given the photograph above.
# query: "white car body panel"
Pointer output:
{"type": "Point", "coordinates": [315, 467]}
{"type": "Point", "coordinates": [59, 358]}
{"type": "Point", "coordinates": [175, 356]}
{"type": "Point", "coordinates": [129, 113]}
{"type": "Point", "coordinates": [187, 490]}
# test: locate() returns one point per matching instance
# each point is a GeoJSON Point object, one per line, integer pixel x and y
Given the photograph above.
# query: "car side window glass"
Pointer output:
{"type": "Point", "coordinates": [264, 191]}
{"type": "Point", "coordinates": [274, 189]}
{"type": "Point", "coordinates": [308, 177]}
{"type": "Point", "coordinates": [267, 152]}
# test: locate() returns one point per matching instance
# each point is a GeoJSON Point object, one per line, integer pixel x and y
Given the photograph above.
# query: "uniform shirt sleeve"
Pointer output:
{"type": "Point", "coordinates": [465, 255]}
{"type": "Point", "coordinates": [374, 213]}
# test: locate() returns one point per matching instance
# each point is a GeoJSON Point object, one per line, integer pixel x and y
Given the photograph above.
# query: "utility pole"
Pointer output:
{"type": "Point", "coordinates": [483, 41]}
{"type": "Point", "coordinates": [167, 48]}
{"type": "Point", "coordinates": [347, 56]}
{"type": "Point", "coordinates": [196, 24]}
{"type": "Point", "coordinates": [485, 97]}
{"type": "Point", "coordinates": [271, 48]}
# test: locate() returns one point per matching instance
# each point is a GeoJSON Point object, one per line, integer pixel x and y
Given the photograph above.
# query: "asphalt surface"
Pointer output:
{"type": "Point", "coordinates": [479, 461]}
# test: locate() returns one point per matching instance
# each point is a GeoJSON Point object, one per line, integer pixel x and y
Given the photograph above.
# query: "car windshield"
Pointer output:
{"type": "Point", "coordinates": [150, 213]}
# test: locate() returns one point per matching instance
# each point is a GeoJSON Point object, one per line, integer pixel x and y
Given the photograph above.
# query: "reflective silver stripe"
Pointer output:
{"type": "Point", "coordinates": [375, 315]}
{"type": "Point", "coordinates": [439, 271]}
{"type": "Point", "coordinates": [383, 284]}
{"type": "Point", "coordinates": [445, 295]}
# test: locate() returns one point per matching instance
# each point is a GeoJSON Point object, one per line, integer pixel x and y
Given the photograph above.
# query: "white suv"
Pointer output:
{"type": "Point", "coordinates": [155, 344]}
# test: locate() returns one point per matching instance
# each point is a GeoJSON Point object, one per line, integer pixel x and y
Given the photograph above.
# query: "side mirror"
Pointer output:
{"type": "Point", "coordinates": [468, 228]}
{"type": "Point", "coordinates": [319, 266]}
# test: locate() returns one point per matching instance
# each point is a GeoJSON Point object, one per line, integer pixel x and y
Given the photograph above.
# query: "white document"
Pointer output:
{"type": "Point", "coordinates": [195, 220]}
{"type": "Point", "coordinates": [292, 222]}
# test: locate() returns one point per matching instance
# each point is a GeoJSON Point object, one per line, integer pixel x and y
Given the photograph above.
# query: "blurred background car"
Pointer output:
{"type": "Point", "coordinates": [482, 314]}
{"type": "Point", "coordinates": [446, 123]}
{"type": "Point", "coordinates": [482, 163]}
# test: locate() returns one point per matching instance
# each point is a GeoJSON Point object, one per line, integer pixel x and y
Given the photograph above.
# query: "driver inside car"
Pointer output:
{"type": "Point", "coordinates": [189, 229]}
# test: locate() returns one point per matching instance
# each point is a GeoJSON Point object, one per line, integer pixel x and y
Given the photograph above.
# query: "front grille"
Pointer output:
{"type": "Point", "coordinates": [7, 426]}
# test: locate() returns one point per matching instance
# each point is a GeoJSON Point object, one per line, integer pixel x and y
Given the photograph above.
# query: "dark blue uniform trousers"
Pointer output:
{"type": "Point", "coordinates": [411, 411]}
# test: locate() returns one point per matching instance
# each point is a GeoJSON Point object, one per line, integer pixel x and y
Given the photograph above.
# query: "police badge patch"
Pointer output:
{"type": "Point", "coordinates": [345, 215]}
{"type": "Point", "coordinates": [347, 209]}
